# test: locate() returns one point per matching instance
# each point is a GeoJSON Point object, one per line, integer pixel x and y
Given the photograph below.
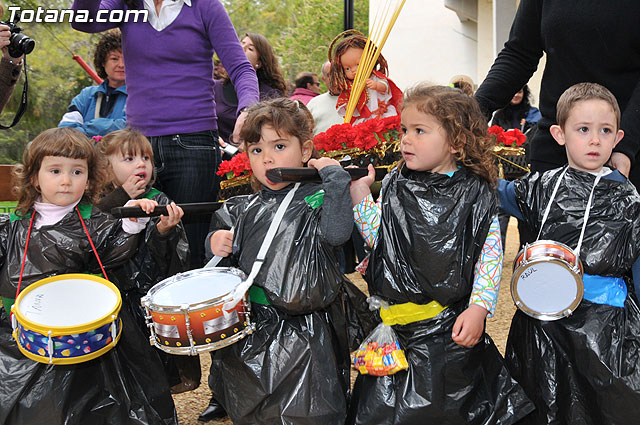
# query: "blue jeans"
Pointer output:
{"type": "Point", "coordinates": [186, 166]}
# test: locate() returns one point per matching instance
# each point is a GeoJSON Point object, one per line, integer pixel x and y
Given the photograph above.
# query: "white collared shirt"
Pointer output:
{"type": "Point", "coordinates": [169, 11]}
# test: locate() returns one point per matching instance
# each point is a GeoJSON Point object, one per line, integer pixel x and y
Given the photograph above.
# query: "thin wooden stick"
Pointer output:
{"type": "Point", "coordinates": [367, 55]}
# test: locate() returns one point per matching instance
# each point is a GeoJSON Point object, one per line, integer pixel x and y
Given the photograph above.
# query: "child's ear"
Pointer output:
{"type": "Point", "coordinates": [619, 136]}
{"type": "Point", "coordinates": [307, 150]}
{"type": "Point", "coordinates": [557, 133]}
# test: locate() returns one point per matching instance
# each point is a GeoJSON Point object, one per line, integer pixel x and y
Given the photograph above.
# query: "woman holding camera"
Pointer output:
{"type": "Point", "coordinates": [10, 68]}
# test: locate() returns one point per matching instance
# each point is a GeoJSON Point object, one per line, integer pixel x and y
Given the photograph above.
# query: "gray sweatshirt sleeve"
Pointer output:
{"type": "Point", "coordinates": [336, 222]}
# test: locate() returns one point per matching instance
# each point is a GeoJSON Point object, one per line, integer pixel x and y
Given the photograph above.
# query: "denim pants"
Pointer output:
{"type": "Point", "coordinates": [186, 166]}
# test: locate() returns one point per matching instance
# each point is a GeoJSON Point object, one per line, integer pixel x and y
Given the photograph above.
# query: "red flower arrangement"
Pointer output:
{"type": "Point", "coordinates": [509, 138]}
{"type": "Point", "coordinates": [235, 167]}
{"type": "Point", "coordinates": [365, 135]}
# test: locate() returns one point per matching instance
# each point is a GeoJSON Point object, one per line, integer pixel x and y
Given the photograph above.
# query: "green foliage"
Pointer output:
{"type": "Point", "coordinates": [300, 31]}
{"type": "Point", "coordinates": [54, 78]}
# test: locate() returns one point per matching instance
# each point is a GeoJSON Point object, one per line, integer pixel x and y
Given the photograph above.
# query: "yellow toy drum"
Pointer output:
{"type": "Point", "coordinates": [67, 319]}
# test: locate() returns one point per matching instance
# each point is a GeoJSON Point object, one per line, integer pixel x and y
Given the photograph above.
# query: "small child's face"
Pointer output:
{"type": "Point", "coordinates": [275, 150]}
{"type": "Point", "coordinates": [589, 134]}
{"type": "Point", "coordinates": [424, 143]}
{"type": "Point", "coordinates": [131, 167]}
{"type": "Point", "coordinates": [62, 181]}
{"type": "Point", "coordinates": [350, 60]}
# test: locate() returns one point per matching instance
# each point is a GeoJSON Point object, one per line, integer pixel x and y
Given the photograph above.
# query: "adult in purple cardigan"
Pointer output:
{"type": "Point", "coordinates": [170, 92]}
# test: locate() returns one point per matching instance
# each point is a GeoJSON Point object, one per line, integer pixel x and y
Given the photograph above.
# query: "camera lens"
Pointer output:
{"type": "Point", "coordinates": [20, 44]}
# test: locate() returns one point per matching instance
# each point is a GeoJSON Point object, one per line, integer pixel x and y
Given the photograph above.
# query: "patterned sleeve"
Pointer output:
{"type": "Point", "coordinates": [367, 215]}
{"type": "Point", "coordinates": [488, 271]}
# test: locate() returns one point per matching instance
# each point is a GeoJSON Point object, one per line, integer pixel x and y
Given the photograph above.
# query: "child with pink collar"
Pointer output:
{"type": "Point", "coordinates": [61, 174]}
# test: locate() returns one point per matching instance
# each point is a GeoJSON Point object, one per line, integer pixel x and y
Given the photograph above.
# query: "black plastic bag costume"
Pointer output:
{"type": "Point", "coordinates": [111, 389]}
{"type": "Point", "coordinates": [583, 369]}
{"type": "Point", "coordinates": [431, 235]}
{"type": "Point", "coordinates": [157, 257]}
{"type": "Point", "coordinates": [294, 369]}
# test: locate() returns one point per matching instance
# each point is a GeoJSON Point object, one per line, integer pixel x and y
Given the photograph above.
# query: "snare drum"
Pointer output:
{"type": "Point", "coordinates": [67, 319]}
{"type": "Point", "coordinates": [547, 280]}
{"type": "Point", "coordinates": [184, 312]}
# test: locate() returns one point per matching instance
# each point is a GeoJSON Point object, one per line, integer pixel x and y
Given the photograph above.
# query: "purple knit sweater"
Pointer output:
{"type": "Point", "coordinates": [169, 73]}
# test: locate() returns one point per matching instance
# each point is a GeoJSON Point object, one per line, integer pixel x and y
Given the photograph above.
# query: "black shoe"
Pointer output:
{"type": "Point", "coordinates": [213, 411]}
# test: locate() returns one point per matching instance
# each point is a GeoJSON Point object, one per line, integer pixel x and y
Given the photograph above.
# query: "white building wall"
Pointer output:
{"type": "Point", "coordinates": [428, 42]}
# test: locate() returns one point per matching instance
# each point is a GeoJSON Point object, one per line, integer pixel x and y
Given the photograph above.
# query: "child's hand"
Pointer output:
{"type": "Point", "coordinates": [147, 205]}
{"type": "Point", "coordinates": [168, 222]}
{"type": "Point", "coordinates": [222, 243]}
{"type": "Point", "coordinates": [376, 85]}
{"type": "Point", "coordinates": [134, 186]}
{"type": "Point", "coordinates": [360, 188]}
{"type": "Point", "coordinates": [320, 163]}
{"type": "Point", "coordinates": [469, 326]}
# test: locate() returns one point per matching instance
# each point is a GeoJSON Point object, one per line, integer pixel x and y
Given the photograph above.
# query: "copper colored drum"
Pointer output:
{"type": "Point", "coordinates": [185, 311]}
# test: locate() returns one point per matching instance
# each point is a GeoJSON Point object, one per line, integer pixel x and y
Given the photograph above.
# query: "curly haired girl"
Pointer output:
{"type": "Point", "coordinates": [436, 262]}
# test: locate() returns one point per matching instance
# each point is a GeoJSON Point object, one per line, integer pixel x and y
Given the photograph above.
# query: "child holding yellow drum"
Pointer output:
{"type": "Point", "coordinates": [56, 231]}
{"type": "Point", "coordinates": [580, 369]}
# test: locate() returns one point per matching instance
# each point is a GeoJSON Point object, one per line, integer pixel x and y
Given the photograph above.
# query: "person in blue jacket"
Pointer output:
{"type": "Point", "coordinates": [99, 110]}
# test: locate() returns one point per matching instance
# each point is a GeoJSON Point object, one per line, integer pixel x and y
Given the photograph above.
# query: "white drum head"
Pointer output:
{"type": "Point", "coordinates": [546, 290]}
{"type": "Point", "coordinates": [194, 287]}
{"type": "Point", "coordinates": [67, 303]}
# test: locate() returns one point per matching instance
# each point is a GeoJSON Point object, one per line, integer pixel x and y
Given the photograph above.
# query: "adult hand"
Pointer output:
{"type": "Point", "coordinates": [236, 130]}
{"type": "Point", "coordinates": [621, 162]}
{"type": "Point", "coordinates": [5, 35]}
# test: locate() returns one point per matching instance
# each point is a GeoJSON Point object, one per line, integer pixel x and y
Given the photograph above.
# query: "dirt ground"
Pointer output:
{"type": "Point", "coordinates": [190, 404]}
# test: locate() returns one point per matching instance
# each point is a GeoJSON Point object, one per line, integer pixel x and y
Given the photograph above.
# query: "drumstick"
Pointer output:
{"type": "Point", "coordinates": [194, 208]}
{"type": "Point", "coordinates": [311, 175]}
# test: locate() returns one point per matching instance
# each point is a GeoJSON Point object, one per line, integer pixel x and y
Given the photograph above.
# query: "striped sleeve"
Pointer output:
{"type": "Point", "coordinates": [367, 215]}
{"type": "Point", "coordinates": [488, 271]}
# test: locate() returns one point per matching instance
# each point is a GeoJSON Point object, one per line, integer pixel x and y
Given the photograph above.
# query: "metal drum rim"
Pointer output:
{"type": "Point", "coordinates": [147, 300]}
{"type": "Point", "coordinates": [547, 316]}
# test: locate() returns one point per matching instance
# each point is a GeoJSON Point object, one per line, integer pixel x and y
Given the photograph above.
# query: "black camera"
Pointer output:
{"type": "Point", "coordinates": [19, 44]}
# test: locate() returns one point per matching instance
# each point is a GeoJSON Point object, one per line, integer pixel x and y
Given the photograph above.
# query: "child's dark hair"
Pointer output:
{"type": "Point", "coordinates": [584, 91]}
{"type": "Point", "coordinates": [127, 142]}
{"type": "Point", "coordinates": [285, 116]}
{"type": "Point", "coordinates": [65, 142]}
{"type": "Point", "coordinates": [337, 77]}
{"type": "Point", "coordinates": [110, 41]}
{"type": "Point", "coordinates": [461, 118]}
